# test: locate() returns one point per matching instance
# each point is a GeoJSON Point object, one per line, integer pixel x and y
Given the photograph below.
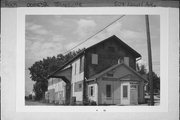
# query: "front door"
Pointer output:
{"type": "Point", "coordinates": [125, 93]}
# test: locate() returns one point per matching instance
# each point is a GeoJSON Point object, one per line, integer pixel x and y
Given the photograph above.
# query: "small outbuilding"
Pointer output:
{"type": "Point", "coordinates": [118, 84]}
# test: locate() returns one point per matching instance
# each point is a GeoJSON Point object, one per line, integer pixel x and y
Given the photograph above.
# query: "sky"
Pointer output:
{"type": "Point", "coordinates": [50, 35]}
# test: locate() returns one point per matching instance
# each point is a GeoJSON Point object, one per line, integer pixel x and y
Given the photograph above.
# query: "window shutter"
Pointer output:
{"type": "Point", "coordinates": [126, 61]}
{"type": "Point", "coordinates": [89, 91]}
{"type": "Point", "coordinates": [94, 59]}
{"type": "Point", "coordinates": [93, 90]}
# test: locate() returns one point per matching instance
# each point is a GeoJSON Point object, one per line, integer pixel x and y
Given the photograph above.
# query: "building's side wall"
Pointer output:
{"type": "Point", "coordinates": [51, 95]}
{"type": "Point", "coordinates": [124, 71]}
{"type": "Point", "coordinates": [107, 57]}
{"type": "Point", "coordinates": [77, 79]}
{"type": "Point", "coordinates": [56, 91]}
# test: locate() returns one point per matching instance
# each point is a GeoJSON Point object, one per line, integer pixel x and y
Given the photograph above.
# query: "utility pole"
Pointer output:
{"type": "Point", "coordinates": [149, 61]}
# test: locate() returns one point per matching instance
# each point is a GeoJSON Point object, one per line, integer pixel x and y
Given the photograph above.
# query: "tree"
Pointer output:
{"type": "Point", "coordinates": [141, 69]}
{"type": "Point", "coordinates": [156, 81]}
{"type": "Point", "coordinates": [40, 70]}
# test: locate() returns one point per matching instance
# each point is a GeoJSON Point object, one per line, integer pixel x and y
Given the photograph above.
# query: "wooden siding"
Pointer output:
{"type": "Point", "coordinates": [56, 91]}
{"type": "Point", "coordinates": [77, 76]}
{"type": "Point", "coordinates": [116, 82]}
{"type": "Point", "coordinates": [107, 58]}
{"type": "Point", "coordinates": [115, 92]}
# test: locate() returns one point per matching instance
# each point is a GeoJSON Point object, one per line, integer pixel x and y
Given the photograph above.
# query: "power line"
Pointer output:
{"type": "Point", "coordinates": [94, 34]}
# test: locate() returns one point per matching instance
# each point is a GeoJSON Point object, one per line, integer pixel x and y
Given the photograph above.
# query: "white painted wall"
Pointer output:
{"type": "Point", "coordinates": [59, 86]}
{"type": "Point", "coordinates": [95, 96]}
{"type": "Point", "coordinates": [77, 77]}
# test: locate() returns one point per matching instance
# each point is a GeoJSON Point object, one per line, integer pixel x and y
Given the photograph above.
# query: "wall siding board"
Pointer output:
{"type": "Point", "coordinates": [116, 86]}
{"type": "Point", "coordinates": [107, 58]}
{"type": "Point", "coordinates": [78, 77]}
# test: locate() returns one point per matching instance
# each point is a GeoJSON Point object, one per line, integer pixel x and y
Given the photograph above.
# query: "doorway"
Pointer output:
{"type": "Point", "coordinates": [125, 93]}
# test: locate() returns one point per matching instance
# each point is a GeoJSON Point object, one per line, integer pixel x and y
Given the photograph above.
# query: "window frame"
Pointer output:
{"type": "Point", "coordinates": [125, 94]}
{"type": "Point", "coordinates": [91, 90]}
{"type": "Point", "coordinates": [108, 91]}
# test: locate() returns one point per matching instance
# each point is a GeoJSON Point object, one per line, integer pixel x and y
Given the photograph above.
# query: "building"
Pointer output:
{"type": "Point", "coordinates": [104, 73]}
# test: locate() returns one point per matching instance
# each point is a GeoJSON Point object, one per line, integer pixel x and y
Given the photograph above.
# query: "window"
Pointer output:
{"type": "Point", "coordinates": [78, 86]}
{"type": "Point", "coordinates": [94, 59]}
{"type": "Point", "coordinates": [108, 90]}
{"type": "Point", "coordinates": [133, 86]}
{"type": "Point", "coordinates": [125, 91]}
{"type": "Point", "coordinates": [91, 91]}
{"type": "Point", "coordinates": [111, 49]}
{"type": "Point", "coordinates": [126, 60]}
{"type": "Point", "coordinates": [81, 64]}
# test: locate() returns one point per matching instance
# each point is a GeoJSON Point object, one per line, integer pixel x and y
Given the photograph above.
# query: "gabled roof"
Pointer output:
{"type": "Point", "coordinates": [127, 47]}
{"type": "Point", "coordinates": [113, 67]}
{"type": "Point", "coordinates": [136, 54]}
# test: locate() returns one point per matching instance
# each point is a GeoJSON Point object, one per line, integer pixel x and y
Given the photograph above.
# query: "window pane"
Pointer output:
{"type": "Point", "coordinates": [78, 86]}
{"type": "Point", "coordinates": [108, 90]}
{"type": "Point", "coordinates": [91, 91]}
{"type": "Point", "coordinates": [125, 91]}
